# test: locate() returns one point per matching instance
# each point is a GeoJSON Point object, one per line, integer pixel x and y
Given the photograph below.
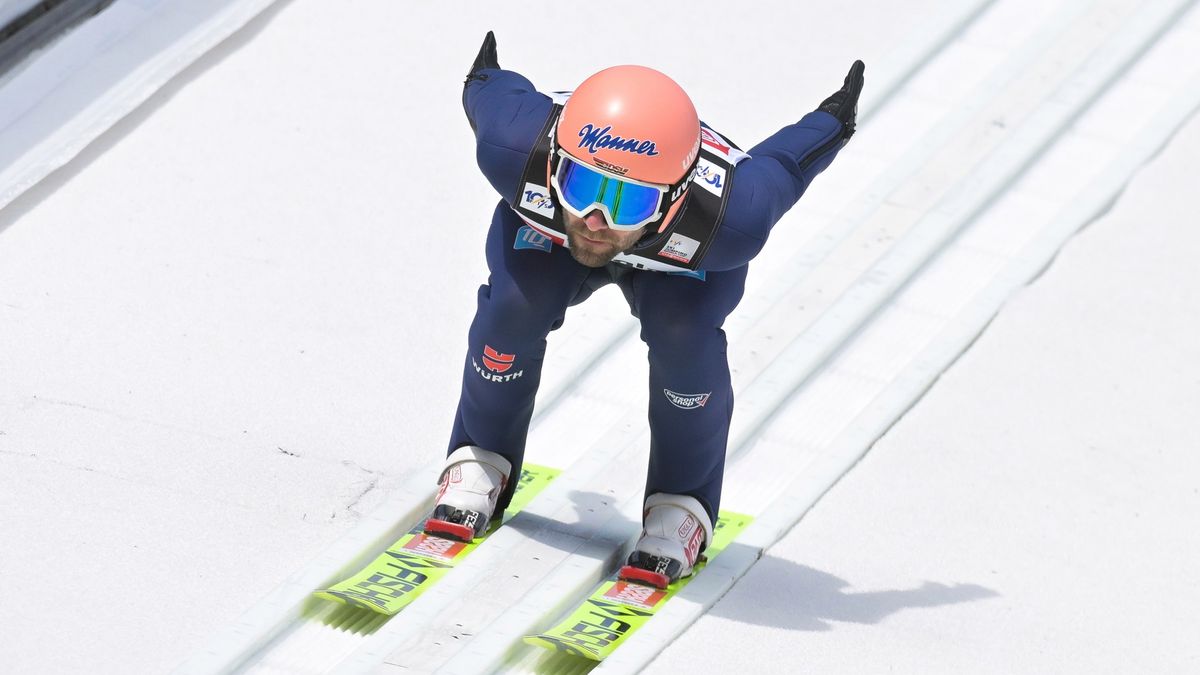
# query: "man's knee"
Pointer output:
{"type": "Point", "coordinates": [512, 311]}
{"type": "Point", "coordinates": [682, 333]}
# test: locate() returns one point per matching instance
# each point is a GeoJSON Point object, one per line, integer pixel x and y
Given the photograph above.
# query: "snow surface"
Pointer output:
{"type": "Point", "coordinates": [11, 9]}
{"type": "Point", "coordinates": [1038, 510]}
{"type": "Point", "coordinates": [237, 321]}
{"type": "Point", "coordinates": [1012, 521]}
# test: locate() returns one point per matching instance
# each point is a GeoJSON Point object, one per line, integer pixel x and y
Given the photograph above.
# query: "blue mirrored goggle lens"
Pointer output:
{"type": "Point", "coordinates": [629, 203]}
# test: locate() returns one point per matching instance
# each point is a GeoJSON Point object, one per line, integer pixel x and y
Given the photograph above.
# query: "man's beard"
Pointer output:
{"type": "Point", "coordinates": [593, 255]}
{"type": "Point", "coordinates": [587, 256]}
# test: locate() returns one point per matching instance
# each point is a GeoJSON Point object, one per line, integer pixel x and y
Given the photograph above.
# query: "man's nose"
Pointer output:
{"type": "Point", "coordinates": [595, 221]}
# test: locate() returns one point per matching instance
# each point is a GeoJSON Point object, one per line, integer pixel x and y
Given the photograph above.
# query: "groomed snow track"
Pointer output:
{"type": "Point", "coordinates": [849, 318]}
{"type": "Point", "coordinates": [869, 290]}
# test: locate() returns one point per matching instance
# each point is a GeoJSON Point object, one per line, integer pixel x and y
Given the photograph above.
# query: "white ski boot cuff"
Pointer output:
{"type": "Point", "coordinates": [675, 530]}
{"type": "Point", "coordinates": [689, 504]}
{"type": "Point", "coordinates": [468, 490]}
{"type": "Point", "coordinates": [470, 453]}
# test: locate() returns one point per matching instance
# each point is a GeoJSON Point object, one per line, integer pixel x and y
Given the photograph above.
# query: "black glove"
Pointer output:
{"type": "Point", "coordinates": [486, 57]}
{"type": "Point", "coordinates": [843, 104]}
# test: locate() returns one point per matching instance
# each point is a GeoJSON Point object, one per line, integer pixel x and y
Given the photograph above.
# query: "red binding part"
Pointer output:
{"type": "Point", "coordinates": [442, 528]}
{"type": "Point", "coordinates": [641, 576]}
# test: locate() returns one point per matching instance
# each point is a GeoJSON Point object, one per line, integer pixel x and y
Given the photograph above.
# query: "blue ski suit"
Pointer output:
{"type": "Point", "coordinates": [531, 285]}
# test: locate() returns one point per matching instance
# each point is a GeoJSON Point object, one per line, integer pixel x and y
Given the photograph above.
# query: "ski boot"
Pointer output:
{"type": "Point", "coordinates": [675, 531]}
{"type": "Point", "coordinates": [467, 492]}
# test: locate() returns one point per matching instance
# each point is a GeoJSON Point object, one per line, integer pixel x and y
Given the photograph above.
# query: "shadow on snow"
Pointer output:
{"type": "Point", "coordinates": [799, 597]}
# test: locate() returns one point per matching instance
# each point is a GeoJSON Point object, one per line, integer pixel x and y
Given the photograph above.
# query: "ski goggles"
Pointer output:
{"type": "Point", "coordinates": [626, 204]}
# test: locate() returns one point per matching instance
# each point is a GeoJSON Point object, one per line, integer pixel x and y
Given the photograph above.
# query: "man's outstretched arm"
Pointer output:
{"type": "Point", "coordinates": [506, 113]}
{"type": "Point", "coordinates": [778, 172]}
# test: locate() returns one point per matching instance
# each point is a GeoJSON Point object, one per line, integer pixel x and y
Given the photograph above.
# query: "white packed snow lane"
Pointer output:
{"type": "Point", "coordinates": [454, 612]}
{"type": "Point", "coordinates": [235, 323]}
{"type": "Point", "coordinates": [1037, 510]}
{"type": "Point", "coordinates": [213, 330]}
{"type": "Point", "coordinates": [1126, 41]}
{"type": "Point", "coordinates": [594, 396]}
{"type": "Point", "coordinates": [417, 627]}
{"type": "Point", "coordinates": [64, 95]}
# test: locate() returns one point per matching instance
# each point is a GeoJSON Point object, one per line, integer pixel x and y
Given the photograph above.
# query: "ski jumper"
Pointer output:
{"type": "Point", "coordinates": [533, 280]}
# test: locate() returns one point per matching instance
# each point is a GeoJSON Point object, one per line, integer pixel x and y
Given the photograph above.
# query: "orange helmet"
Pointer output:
{"type": "Point", "coordinates": [633, 124]}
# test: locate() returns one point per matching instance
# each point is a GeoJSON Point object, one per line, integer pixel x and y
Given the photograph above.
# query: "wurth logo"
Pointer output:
{"type": "Point", "coordinates": [687, 401]}
{"type": "Point", "coordinates": [496, 363]}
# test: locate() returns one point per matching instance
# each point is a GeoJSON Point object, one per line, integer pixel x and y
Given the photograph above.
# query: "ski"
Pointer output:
{"type": "Point", "coordinates": [617, 608]}
{"type": "Point", "coordinates": [417, 560]}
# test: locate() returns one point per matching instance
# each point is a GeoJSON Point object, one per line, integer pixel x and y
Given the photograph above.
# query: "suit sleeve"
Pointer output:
{"type": "Point", "coordinates": [769, 183]}
{"type": "Point", "coordinates": [507, 113]}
